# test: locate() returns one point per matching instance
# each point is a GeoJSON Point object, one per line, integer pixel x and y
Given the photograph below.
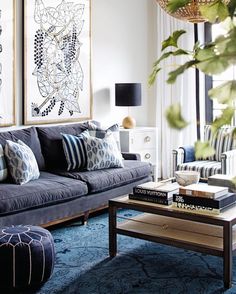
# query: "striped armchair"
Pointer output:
{"type": "Point", "coordinates": [223, 162]}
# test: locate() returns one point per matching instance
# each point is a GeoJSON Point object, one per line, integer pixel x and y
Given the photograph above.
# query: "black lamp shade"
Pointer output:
{"type": "Point", "coordinates": [128, 94]}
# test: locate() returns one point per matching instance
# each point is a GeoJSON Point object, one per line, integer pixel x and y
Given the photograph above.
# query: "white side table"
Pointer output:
{"type": "Point", "coordinates": [142, 140]}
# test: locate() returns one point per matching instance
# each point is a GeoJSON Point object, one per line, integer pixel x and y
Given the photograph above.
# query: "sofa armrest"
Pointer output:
{"type": "Point", "coordinates": [131, 156]}
{"type": "Point", "coordinates": [228, 162]}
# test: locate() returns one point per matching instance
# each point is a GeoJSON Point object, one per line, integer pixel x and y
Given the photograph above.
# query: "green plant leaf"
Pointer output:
{"type": "Point", "coordinates": [217, 10]}
{"type": "Point", "coordinates": [203, 150]}
{"type": "Point", "coordinates": [196, 46]}
{"type": "Point", "coordinates": [175, 73]}
{"type": "Point", "coordinates": [224, 119]}
{"type": "Point", "coordinates": [206, 53]}
{"type": "Point", "coordinates": [175, 118]}
{"type": "Point", "coordinates": [234, 181]}
{"type": "Point", "coordinates": [174, 5]}
{"type": "Point", "coordinates": [156, 67]}
{"type": "Point", "coordinates": [214, 65]}
{"type": "Point", "coordinates": [224, 93]}
{"type": "Point", "coordinates": [167, 54]}
{"type": "Point", "coordinates": [153, 75]}
{"type": "Point", "coordinates": [173, 39]}
{"type": "Point", "coordinates": [234, 133]}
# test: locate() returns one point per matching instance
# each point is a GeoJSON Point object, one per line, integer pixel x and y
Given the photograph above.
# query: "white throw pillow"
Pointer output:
{"type": "Point", "coordinates": [22, 164]}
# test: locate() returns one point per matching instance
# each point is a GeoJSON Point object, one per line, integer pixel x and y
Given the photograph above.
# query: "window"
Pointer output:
{"type": "Point", "coordinates": [213, 108]}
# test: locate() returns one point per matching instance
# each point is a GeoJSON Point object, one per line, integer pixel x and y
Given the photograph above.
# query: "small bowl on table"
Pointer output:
{"type": "Point", "coordinates": [187, 177]}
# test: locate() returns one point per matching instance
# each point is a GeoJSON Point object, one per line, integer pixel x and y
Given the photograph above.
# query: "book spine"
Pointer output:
{"type": "Point", "coordinates": [219, 203]}
{"type": "Point", "coordinates": [149, 192]}
{"type": "Point", "coordinates": [196, 208]}
{"type": "Point", "coordinates": [196, 193]}
{"type": "Point", "coordinates": [199, 201]}
{"type": "Point", "coordinates": [151, 199]}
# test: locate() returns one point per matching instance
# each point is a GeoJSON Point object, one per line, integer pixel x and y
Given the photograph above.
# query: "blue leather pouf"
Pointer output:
{"type": "Point", "coordinates": [26, 256]}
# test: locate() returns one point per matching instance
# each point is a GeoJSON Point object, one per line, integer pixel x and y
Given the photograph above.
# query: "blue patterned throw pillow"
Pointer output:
{"type": "Point", "coordinates": [99, 132]}
{"type": "Point", "coordinates": [3, 166]}
{"type": "Point", "coordinates": [22, 164]}
{"type": "Point", "coordinates": [74, 150]}
{"type": "Point", "coordinates": [102, 153]}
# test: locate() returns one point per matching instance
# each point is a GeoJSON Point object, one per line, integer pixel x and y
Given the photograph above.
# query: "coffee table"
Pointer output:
{"type": "Point", "coordinates": [210, 234]}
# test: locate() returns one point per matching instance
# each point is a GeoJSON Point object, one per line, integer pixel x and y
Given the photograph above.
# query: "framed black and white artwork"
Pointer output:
{"type": "Point", "coordinates": [57, 52]}
{"type": "Point", "coordinates": [7, 63]}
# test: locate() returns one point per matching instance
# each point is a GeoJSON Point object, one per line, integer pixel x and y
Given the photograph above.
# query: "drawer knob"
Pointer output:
{"type": "Point", "coordinates": [147, 155]}
{"type": "Point", "coordinates": [147, 139]}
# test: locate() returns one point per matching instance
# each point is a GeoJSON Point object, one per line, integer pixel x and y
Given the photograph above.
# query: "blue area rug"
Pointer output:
{"type": "Point", "coordinates": [83, 265]}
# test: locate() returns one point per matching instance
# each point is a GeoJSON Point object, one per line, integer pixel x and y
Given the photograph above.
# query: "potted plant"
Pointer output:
{"type": "Point", "coordinates": [210, 58]}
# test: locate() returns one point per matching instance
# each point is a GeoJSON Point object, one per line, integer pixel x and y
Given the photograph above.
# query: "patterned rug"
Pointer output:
{"type": "Point", "coordinates": [83, 265]}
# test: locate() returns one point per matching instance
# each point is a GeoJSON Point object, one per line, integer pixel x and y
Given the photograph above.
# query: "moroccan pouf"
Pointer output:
{"type": "Point", "coordinates": [26, 256]}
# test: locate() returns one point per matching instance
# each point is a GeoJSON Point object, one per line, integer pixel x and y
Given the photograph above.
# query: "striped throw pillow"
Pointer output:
{"type": "Point", "coordinates": [222, 141]}
{"type": "Point", "coordinates": [74, 150]}
{"type": "Point", "coordinates": [3, 166]}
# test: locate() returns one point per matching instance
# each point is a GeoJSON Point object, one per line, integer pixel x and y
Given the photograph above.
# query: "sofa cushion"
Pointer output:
{"type": "Point", "coordinates": [49, 189]}
{"type": "Point", "coordinates": [30, 137]}
{"type": "Point", "coordinates": [102, 180]}
{"type": "Point", "coordinates": [51, 142]}
{"type": "Point", "coordinates": [21, 161]}
{"type": "Point", "coordinates": [3, 165]}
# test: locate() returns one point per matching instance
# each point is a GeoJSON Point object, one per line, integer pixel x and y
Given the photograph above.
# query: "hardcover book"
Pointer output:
{"type": "Point", "coordinates": [158, 189]}
{"type": "Point", "coordinates": [219, 203]}
{"type": "Point", "coordinates": [150, 198]}
{"type": "Point", "coordinates": [223, 181]}
{"type": "Point", "coordinates": [203, 190]}
{"type": "Point", "coordinates": [196, 208]}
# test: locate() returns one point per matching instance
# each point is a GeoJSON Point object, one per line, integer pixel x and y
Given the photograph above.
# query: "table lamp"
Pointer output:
{"type": "Point", "coordinates": [128, 94]}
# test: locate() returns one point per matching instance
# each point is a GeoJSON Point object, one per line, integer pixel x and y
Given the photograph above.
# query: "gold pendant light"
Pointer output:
{"type": "Point", "coordinates": [189, 12]}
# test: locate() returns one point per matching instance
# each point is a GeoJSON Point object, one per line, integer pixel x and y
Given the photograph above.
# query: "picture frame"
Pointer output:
{"type": "Point", "coordinates": [57, 61]}
{"type": "Point", "coordinates": [7, 62]}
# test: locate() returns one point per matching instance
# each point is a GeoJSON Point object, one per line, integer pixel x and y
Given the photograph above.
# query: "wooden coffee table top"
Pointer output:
{"type": "Point", "coordinates": [228, 215]}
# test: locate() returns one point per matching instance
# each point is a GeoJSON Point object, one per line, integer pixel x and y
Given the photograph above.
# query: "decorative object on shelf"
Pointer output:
{"type": "Point", "coordinates": [7, 63]}
{"type": "Point", "coordinates": [57, 61]}
{"type": "Point", "coordinates": [186, 177]}
{"type": "Point", "coordinates": [190, 12]}
{"type": "Point", "coordinates": [128, 94]}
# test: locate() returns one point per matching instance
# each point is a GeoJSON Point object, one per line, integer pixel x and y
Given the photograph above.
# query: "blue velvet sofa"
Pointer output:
{"type": "Point", "coordinates": [59, 195]}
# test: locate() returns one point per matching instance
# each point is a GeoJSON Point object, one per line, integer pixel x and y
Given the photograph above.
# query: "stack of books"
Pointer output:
{"type": "Point", "coordinates": [155, 192]}
{"type": "Point", "coordinates": [203, 198]}
{"type": "Point", "coordinates": [223, 181]}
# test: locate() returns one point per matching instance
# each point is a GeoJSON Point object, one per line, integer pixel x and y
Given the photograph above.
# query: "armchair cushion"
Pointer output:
{"type": "Point", "coordinates": [205, 167]}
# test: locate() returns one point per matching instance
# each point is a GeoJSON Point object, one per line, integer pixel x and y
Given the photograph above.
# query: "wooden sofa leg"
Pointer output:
{"type": "Point", "coordinates": [85, 218]}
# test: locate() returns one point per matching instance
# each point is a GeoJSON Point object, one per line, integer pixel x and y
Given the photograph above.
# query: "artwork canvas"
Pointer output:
{"type": "Point", "coordinates": [7, 63]}
{"type": "Point", "coordinates": [57, 61]}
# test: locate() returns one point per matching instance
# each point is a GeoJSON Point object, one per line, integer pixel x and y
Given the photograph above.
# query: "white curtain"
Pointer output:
{"type": "Point", "coordinates": [183, 91]}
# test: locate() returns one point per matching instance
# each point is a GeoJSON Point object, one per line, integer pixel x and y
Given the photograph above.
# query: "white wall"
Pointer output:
{"type": "Point", "coordinates": [123, 42]}
{"type": "Point", "coordinates": [123, 50]}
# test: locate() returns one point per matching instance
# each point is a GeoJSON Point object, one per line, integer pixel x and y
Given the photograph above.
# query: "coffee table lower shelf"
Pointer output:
{"type": "Point", "coordinates": [210, 235]}
{"type": "Point", "coordinates": [184, 234]}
